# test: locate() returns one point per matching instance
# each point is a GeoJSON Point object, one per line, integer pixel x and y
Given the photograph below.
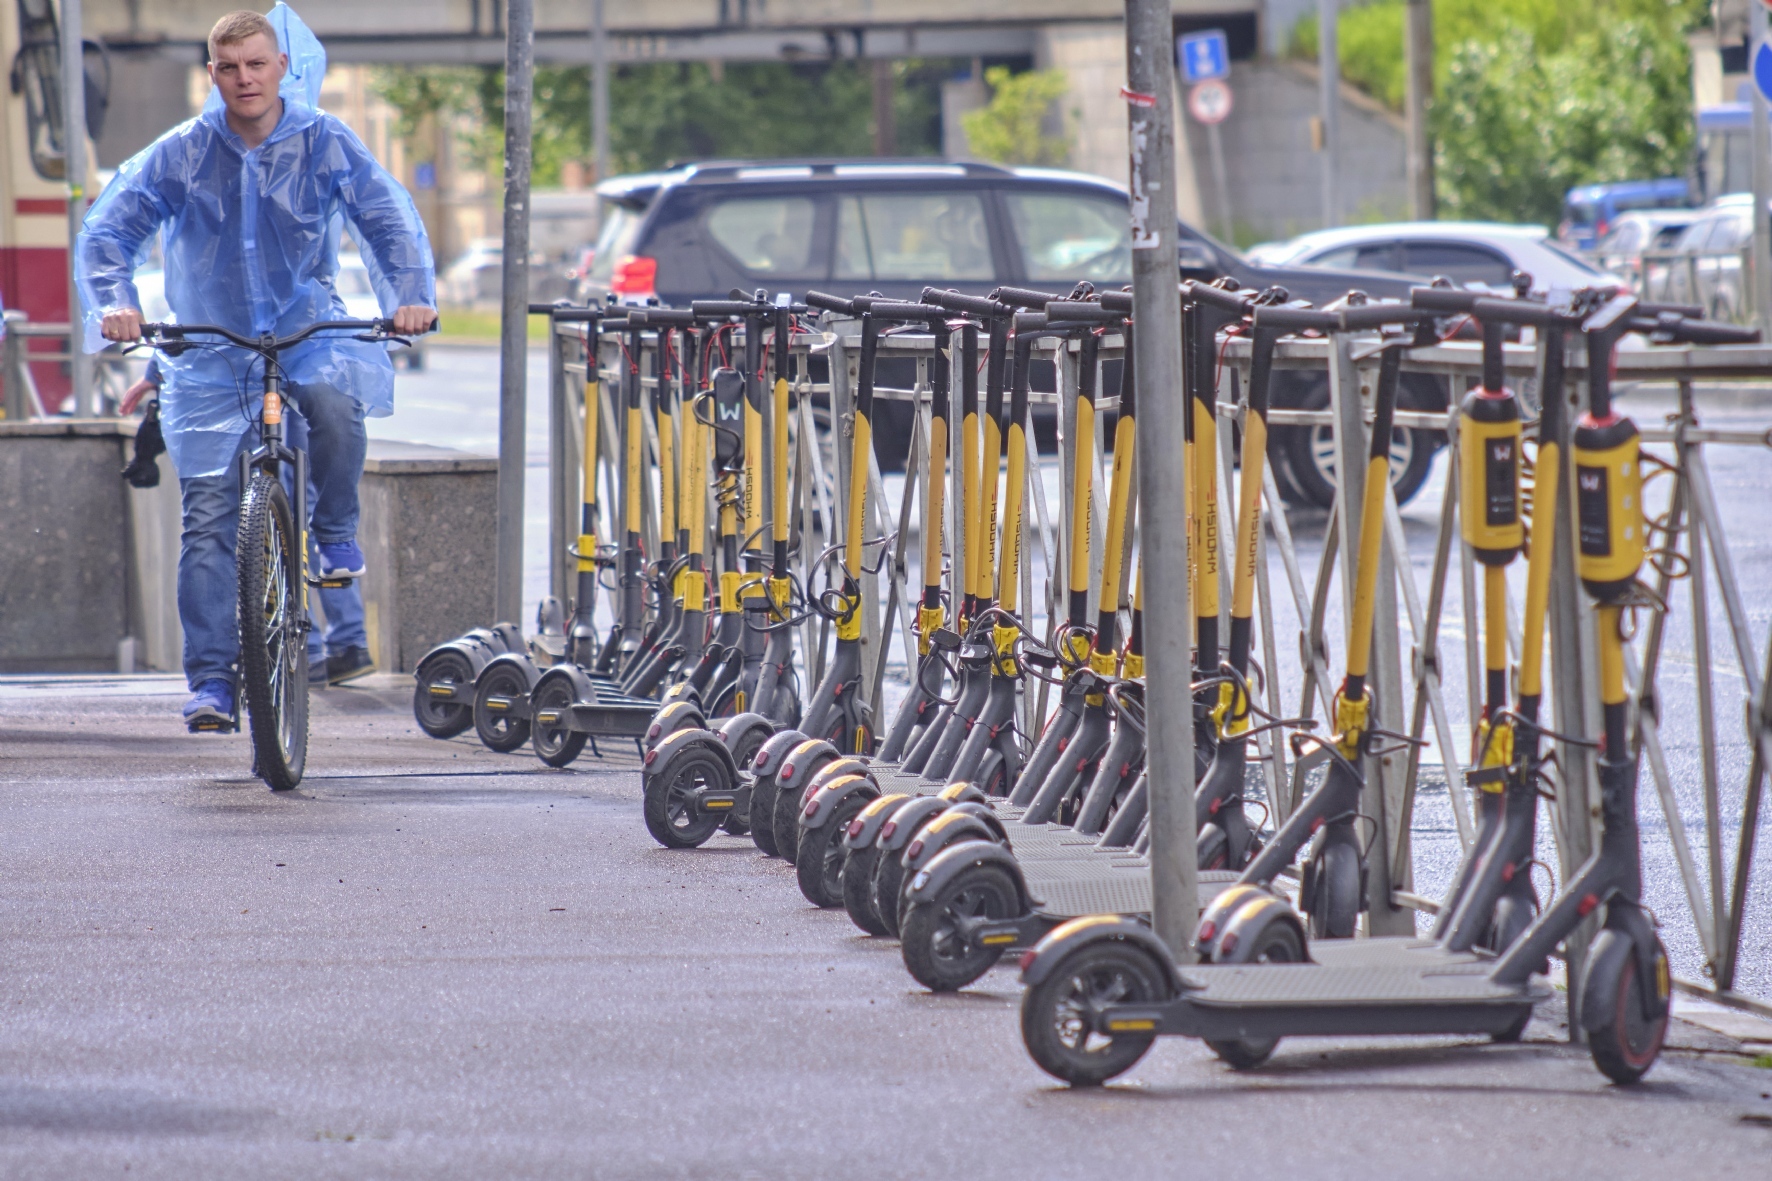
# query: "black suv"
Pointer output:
{"type": "Point", "coordinates": [896, 227]}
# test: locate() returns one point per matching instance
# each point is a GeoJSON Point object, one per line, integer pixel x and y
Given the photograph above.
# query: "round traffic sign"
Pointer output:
{"type": "Point", "coordinates": [1209, 101]}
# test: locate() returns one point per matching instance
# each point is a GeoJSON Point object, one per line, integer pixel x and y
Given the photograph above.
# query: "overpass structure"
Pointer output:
{"type": "Point", "coordinates": [472, 31]}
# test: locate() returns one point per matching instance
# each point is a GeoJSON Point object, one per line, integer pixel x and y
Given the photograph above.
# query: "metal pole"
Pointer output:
{"type": "Point", "coordinates": [1329, 67]}
{"type": "Point", "coordinates": [74, 149]}
{"type": "Point", "coordinates": [1155, 274]}
{"type": "Point", "coordinates": [1762, 166]}
{"type": "Point", "coordinates": [1418, 91]}
{"type": "Point", "coordinates": [514, 323]}
{"type": "Point", "coordinates": [599, 92]}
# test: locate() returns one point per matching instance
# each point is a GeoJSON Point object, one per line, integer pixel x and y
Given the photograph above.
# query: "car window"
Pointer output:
{"type": "Point", "coordinates": [615, 238]}
{"type": "Point", "coordinates": [1067, 236]}
{"type": "Point", "coordinates": [922, 237]}
{"type": "Point", "coordinates": [1623, 239]}
{"type": "Point", "coordinates": [1459, 262]}
{"type": "Point", "coordinates": [1372, 256]}
{"type": "Point", "coordinates": [1729, 233]}
{"type": "Point", "coordinates": [352, 280]}
{"type": "Point", "coordinates": [767, 235]}
{"type": "Point", "coordinates": [1696, 233]}
{"type": "Point", "coordinates": [1667, 236]}
{"type": "Point", "coordinates": [1569, 257]}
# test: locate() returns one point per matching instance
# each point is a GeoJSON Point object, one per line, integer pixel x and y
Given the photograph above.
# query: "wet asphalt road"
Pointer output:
{"type": "Point", "coordinates": [434, 961]}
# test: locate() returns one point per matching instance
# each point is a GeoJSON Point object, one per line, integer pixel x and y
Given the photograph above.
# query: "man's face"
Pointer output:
{"type": "Point", "coordinates": [247, 73]}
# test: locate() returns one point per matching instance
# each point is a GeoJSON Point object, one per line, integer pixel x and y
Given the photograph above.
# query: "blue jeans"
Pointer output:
{"type": "Point", "coordinates": [330, 428]}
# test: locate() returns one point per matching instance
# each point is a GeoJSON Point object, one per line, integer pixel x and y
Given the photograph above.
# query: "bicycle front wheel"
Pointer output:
{"type": "Point", "coordinates": [273, 643]}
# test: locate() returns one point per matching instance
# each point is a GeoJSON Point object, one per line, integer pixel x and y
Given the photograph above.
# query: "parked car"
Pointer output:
{"type": "Point", "coordinates": [897, 227]}
{"type": "Point", "coordinates": [474, 276]}
{"type": "Point", "coordinates": [1706, 267]}
{"type": "Point", "coordinates": [1590, 210]}
{"type": "Point", "coordinates": [1636, 235]}
{"type": "Point", "coordinates": [1470, 253]}
{"type": "Point", "coordinates": [358, 293]}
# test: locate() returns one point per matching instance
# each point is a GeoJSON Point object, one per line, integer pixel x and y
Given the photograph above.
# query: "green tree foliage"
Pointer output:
{"type": "Point", "coordinates": [1011, 128]}
{"type": "Point", "coordinates": [667, 113]}
{"type": "Point", "coordinates": [1533, 97]}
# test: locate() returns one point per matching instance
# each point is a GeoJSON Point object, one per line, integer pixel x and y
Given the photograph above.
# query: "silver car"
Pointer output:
{"type": "Point", "coordinates": [1704, 266]}
{"type": "Point", "coordinates": [1469, 253]}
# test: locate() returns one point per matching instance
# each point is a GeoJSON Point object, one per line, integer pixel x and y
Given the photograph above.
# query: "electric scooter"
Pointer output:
{"type": "Point", "coordinates": [1100, 990]}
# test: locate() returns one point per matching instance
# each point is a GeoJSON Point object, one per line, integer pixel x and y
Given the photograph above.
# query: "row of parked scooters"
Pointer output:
{"type": "Point", "coordinates": [967, 839]}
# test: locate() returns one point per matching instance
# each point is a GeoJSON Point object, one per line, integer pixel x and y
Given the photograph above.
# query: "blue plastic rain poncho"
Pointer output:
{"type": "Point", "coordinates": [251, 243]}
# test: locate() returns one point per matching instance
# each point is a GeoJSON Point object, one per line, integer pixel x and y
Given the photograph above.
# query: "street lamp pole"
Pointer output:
{"type": "Point", "coordinates": [1156, 274]}
{"type": "Point", "coordinates": [514, 322]}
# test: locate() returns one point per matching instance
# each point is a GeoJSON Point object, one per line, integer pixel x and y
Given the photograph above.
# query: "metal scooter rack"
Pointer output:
{"type": "Point", "coordinates": [1410, 701]}
{"type": "Point", "coordinates": [1410, 695]}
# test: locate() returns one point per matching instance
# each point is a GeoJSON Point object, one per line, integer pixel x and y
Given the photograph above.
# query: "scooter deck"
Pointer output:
{"type": "Point", "coordinates": [1120, 889]}
{"type": "Point", "coordinates": [1358, 972]}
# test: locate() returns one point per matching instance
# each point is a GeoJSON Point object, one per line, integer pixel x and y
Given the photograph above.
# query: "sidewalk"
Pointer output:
{"type": "Point", "coordinates": [435, 961]}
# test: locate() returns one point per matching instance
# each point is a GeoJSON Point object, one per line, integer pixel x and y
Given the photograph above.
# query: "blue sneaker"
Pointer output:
{"type": "Point", "coordinates": [211, 707]}
{"type": "Point", "coordinates": [343, 560]}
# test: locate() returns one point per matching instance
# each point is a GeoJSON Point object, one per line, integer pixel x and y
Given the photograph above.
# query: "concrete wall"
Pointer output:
{"type": "Point", "coordinates": [1273, 176]}
{"type": "Point", "coordinates": [88, 563]}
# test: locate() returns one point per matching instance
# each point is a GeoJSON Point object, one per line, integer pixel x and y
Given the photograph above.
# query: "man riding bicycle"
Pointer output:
{"type": "Point", "coordinates": [250, 198]}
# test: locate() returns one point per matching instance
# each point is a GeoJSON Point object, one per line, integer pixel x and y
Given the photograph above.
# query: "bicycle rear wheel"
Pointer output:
{"type": "Point", "coordinates": [273, 643]}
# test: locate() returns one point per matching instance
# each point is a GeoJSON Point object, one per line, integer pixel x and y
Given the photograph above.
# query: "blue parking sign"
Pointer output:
{"type": "Point", "coordinates": [1203, 56]}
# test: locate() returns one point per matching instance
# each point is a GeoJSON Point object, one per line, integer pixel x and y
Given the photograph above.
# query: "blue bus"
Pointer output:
{"type": "Point", "coordinates": [1589, 210]}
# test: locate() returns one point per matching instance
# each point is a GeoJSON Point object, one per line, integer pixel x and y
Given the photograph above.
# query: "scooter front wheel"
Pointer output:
{"type": "Point", "coordinates": [1276, 942]}
{"type": "Point", "coordinates": [555, 745]}
{"type": "Point", "coordinates": [672, 816]}
{"type": "Point", "coordinates": [443, 719]}
{"type": "Point", "coordinates": [1059, 1015]}
{"type": "Point", "coordinates": [818, 861]}
{"type": "Point", "coordinates": [937, 948]}
{"type": "Point", "coordinates": [500, 729]}
{"type": "Point", "coordinates": [1623, 1038]}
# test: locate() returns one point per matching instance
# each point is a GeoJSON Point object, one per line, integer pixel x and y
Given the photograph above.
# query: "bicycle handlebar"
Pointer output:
{"type": "Point", "coordinates": [161, 333]}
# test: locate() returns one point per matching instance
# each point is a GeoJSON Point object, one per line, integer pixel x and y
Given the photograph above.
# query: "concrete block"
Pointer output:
{"type": "Point", "coordinates": [427, 532]}
{"type": "Point", "coordinates": [88, 563]}
{"type": "Point", "coordinates": [64, 546]}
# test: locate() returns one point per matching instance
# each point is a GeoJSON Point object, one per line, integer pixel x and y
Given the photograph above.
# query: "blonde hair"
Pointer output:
{"type": "Point", "coordinates": [237, 27]}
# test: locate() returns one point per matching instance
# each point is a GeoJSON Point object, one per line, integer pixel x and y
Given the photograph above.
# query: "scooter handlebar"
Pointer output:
{"type": "Point", "coordinates": [954, 301]}
{"type": "Point", "coordinates": [1673, 327]}
{"type": "Point", "coordinates": [831, 303]}
{"type": "Point", "coordinates": [898, 309]}
{"type": "Point", "coordinates": [663, 317]}
{"type": "Point", "coordinates": [1443, 299]}
{"type": "Point", "coordinates": [1117, 301]}
{"type": "Point", "coordinates": [1231, 301]}
{"type": "Point", "coordinates": [1023, 297]}
{"type": "Point", "coordinates": [1689, 311]}
{"type": "Point", "coordinates": [1030, 322]}
{"type": "Point", "coordinates": [1080, 311]}
{"type": "Point", "coordinates": [728, 307]}
{"type": "Point", "coordinates": [1372, 315]}
{"type": "Point", "coordinates": [1521, 311]}
{"type": "Point", "coordinates": [1296, 319]}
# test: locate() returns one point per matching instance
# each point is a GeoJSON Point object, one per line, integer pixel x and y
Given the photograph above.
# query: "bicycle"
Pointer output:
{"type": "Point", "coordinates": [273, 636]}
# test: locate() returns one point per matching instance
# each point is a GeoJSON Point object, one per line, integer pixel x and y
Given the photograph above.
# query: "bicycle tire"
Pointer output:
{"type": "Point", "coordinates": [273, 643]}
